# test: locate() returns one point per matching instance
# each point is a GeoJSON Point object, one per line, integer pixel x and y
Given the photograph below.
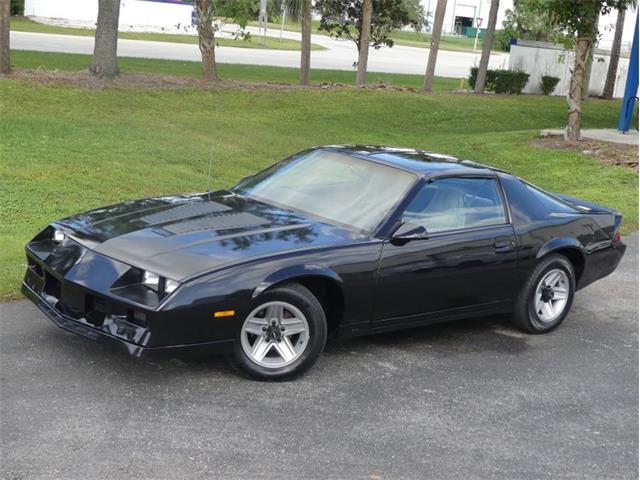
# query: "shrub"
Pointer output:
{"type": "Point", "coordinates": [548, 84]}
{"type": "Point", "coordinates": [17, 7]}
{"type": "Point", "coordinates": [501, 81]}
{"type": "Point", "coordinates": [502, 39]}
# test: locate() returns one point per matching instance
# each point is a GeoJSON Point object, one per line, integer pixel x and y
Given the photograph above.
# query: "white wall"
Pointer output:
{"type": "Point", "coordinates": [132, 12]}
{"type": "Point", "coordinates": [537, 60]}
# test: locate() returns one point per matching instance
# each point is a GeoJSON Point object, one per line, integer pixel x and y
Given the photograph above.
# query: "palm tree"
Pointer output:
{"type": "Point", "coordinates": [301, 10]}
{"type": "Point", "coordinates": [105, 48]}
{"type": "Point", "coordinates": [486, 49]}
{"type": "Point", "coordinates": [5, 54]}
{"type": "Point", "coordinates": [610, 82]}
{"type": "Point", "coordinates": [438, 20]}
{"type": "Point", "coordinates": [365, 34]}
{"type": "Point", "coordinates": [205, 15]}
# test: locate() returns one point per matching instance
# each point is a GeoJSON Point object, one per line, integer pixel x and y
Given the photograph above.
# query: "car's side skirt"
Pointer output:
{"type": "Point", "coordinates": [411, 321]}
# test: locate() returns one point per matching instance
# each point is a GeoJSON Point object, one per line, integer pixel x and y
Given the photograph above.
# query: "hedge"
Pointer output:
{"type": "Point", "coordinates": [548, 84]}
{"type": "Point", "coordinates": [501, 81]}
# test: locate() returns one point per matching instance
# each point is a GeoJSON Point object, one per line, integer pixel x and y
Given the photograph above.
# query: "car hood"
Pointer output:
{"type": "Point", "coordinates": [182, 236]}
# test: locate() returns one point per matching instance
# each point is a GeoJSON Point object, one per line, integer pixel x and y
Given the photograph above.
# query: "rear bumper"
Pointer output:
{"type": "Point", "coordinates": [601, 263]}
{"type": "Point", "coordinates": [87, 330]}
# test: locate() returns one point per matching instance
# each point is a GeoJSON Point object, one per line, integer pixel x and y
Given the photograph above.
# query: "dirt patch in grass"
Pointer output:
{"type": "Point", "coordinates": [606, 153]}
{"type": "Point", "coordinates": [129, 80]}
{"type": "Point", "coordinates": [135, 80]}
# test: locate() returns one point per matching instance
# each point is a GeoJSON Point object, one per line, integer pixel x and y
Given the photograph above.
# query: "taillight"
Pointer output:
{"type": "Point", "coordinates": [617, 237]}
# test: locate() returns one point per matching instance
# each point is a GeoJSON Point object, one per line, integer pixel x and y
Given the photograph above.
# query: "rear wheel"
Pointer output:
{"type": "Point", "coordinates": [545, 299]}
{"type": "Point", "coordinates": [283, 334]}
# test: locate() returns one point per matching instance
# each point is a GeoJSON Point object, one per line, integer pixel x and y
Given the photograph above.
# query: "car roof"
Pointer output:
{"type": "Point", "coordinates": [422, 162]}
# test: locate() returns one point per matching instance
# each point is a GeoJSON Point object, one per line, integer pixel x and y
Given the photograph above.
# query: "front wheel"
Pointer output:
{"type": "Point", "coordinates": [283, 335]}
{"type": "Point", "coordinates": [545, 299]}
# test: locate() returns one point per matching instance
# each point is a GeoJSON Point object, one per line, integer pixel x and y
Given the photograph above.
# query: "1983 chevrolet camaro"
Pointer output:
{"type": "Point", "coordinates": [344, 240]}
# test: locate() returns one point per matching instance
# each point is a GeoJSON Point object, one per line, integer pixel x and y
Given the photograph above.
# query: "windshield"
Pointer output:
{"type": "Point", "coordinates": [334, 186]}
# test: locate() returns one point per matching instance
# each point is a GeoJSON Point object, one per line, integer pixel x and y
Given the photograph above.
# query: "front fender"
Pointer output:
{"type": "Point", "coordinates": [295, 271]}
{"type": "Point", "coordinates": [558, 243]}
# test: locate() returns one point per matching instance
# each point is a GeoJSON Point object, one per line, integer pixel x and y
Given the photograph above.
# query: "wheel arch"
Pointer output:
{"type": "Point", "coordinates": [325, 284]}
{"type": "Point", "coordinates": [569, 248]}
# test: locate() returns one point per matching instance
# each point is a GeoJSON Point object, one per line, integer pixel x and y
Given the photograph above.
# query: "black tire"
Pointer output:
{"type": "Point", "coordinates": [525, 316]}
{"type": "Point", "coordinates": [301, 298]}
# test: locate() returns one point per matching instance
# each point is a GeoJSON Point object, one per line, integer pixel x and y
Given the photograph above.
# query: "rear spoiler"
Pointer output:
{"type": "Point", "coordinates": [590, 207]}
{"type": "Point", "coordinates": [585, 206]}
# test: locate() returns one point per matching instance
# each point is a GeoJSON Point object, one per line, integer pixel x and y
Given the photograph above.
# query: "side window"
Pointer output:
{"type": "Point", "coordinates": [457, 203]}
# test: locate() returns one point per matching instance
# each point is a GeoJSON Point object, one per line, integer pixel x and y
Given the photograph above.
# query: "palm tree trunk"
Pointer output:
{"type": "Point", "coordinates": [365, 38]}
{"type": "Point", "coordinates": [441, 6]}
{"type": "Point", "coordinates": [574, 97]}
{"type": "Point", "coordinates": [5, 52]}
{"type": "Point", "coordinates": [105, 48]}
{"type": "Point", "coordinates": [305, 47]}
{"type": "Point", "coordinates": [481, 79]}
{"type": "Point", "coordinates": [206, 38]}
{"type": "Point", "coordinates": [612, 71]}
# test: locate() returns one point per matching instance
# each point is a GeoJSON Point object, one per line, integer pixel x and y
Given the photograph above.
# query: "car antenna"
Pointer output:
{"type": "Point", "coordinates": [209, 175]}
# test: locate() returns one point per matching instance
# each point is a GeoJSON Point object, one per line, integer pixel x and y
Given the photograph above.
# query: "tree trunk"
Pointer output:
{"type": "Point", "coordinates": [365, 38]}
{"type": "Point", "coordinates": [441, 6]}
{"type": "Point", "coordinates": [205, 15]}
{"type": "Point", "coordinates": [481, 79]}
{"type": "Point", "coordinates": [5, 53]}
{"type": "Point", "coordinates": [305, 46]}
{"type": "Point", "coordinates": [574, 97]}
{"type": "Point", "coordinates": [612, 71]}
{"type": "Point", "coordinates": [105, 48]}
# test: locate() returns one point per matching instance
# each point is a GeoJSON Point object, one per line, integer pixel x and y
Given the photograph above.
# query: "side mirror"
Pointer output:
{"type": "Point", "coordinates": [407, 232]}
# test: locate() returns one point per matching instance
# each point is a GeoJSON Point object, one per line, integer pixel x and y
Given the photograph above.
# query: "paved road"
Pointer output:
{"type": "Point", "coordinates": [339, 55]}
{"type": "Point", "coordinates": [474, 400]}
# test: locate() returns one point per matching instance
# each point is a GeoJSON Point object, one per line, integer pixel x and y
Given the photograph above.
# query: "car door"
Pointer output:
{"type": "Point", "coordinates": [465, 263]}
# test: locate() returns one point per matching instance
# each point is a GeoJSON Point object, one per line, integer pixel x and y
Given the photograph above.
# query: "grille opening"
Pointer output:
{"type": "Point", "coordinates": [51, 286]}
{"type": "Point", "coordinates": [35, 268]}
{"type": "Point", "coordinates": [96, 310]}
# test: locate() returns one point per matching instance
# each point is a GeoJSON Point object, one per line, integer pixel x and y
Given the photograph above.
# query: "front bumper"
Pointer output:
{"type": "Point", "coordinates": [70, 284]}
{"type": "Point", "coordinates": [83, 328]}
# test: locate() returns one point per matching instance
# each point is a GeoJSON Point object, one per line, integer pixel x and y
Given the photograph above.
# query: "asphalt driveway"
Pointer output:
{"type": "Point", "coordinates": [472, 399]}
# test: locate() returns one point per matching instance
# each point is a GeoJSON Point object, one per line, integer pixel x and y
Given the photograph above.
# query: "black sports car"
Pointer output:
{"type": "Point", "coordinates": [344, 240]}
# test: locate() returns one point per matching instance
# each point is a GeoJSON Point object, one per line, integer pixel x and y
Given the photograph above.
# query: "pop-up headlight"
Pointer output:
{"type": "Point", "coordinates": [58, 236]}
{"type": "Point", "coordinates": [151, 280]}
{"type": "Point", "coordinates": [159, 284]}
{"type": "Point", "coordinates": [170, 286]}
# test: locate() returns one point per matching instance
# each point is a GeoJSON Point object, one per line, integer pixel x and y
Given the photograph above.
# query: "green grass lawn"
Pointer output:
{"type": "Point", "coordinates": [256, 73]}
{"type": "Point", "coordinates": [21, 24]}
{"type": "Point", "coordinates": [67, 149]}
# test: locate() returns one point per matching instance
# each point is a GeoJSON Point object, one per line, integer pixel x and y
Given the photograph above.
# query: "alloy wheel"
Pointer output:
{"type": "Point", "coordinates": [551, 295]}
{"type": "Point", "coordinates": [275, 334]}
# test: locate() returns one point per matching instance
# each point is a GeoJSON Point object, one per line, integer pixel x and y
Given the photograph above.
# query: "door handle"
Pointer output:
{"type": "Point", "coordinates": [503, 246]}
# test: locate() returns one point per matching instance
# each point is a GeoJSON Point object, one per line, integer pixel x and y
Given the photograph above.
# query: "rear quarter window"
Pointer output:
{"type": "Point", "coordinates": [529, 203]}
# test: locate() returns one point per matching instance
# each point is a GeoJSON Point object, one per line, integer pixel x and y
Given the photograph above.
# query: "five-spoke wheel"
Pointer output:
{"type": "Point", "coordinates": [282, 335]}
{"type": "Point", "coordinates": [545, 298]}
{"type": "Point", "coordinates": [551, 295]}
{"type": "Point", "coordinates": [275, 334]}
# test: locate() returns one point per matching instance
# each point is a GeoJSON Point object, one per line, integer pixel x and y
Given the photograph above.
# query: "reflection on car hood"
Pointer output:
{"type": "Point", "coordinates": [181, 236]}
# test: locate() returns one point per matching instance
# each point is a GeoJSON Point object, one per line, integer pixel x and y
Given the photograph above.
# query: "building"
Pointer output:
{"type": "Point", "coordinates": [461, 15]}
{"type": "Point", "coordinates": [134, 14]}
